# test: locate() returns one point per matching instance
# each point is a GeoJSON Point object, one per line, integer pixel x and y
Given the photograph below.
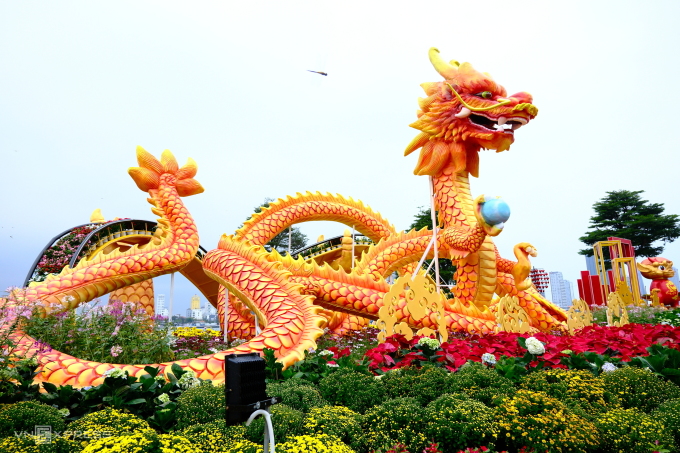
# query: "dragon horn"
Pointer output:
{"type": "Point", "coordinates": [447, 70]}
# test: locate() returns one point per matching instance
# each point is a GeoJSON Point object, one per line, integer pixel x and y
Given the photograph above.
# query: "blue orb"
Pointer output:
{"type": "Point", "coordinates": [495, 211]}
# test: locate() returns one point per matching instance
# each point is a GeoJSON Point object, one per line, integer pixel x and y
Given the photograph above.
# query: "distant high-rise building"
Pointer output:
{"type": "Point", "coordinates": [196, 311]}
{"type": "Point", "coordinates": [569, 290]}
{"type": "Point", "coordinates": [160, 306]}
{"type": "Point", "coordinates": [195, 302]}
{"type": "Point", "coordinates": [674, 278]}
{"type": "Point", "coordinates": [560, 289]}
{"type": "Point", "coordinates": [590, 265]}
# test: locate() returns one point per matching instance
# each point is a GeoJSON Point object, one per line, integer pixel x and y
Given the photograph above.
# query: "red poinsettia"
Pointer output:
{"type": "Point", "coordinates": [624, 343]}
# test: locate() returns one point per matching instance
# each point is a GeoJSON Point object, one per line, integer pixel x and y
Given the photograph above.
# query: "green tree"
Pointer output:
{"type": "Point", "coordinates": [446, 268]}
{"type": "Point", "coordinates": [280, 241]}
{"type": "Point", "coordinates": [624, 214]}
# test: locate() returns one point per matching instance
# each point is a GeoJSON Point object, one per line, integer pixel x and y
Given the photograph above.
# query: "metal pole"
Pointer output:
{"type": "Point", "coordinates": [433, 212]}
{"type": "Point", "coordinates": [172, 293]}
{"type": "Point", "coordinates": [224, 315]}
{"type": "Point", "coordinates": [352, 247]}
{"type": "Point", "coordinates": [290, 238]}
{"type": "Point", "coordinates": [422, 258]}
{"type": "Point", "coordinates": [257, 324]}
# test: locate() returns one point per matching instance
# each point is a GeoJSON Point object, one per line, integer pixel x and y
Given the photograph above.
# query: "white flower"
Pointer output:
{"type": "Point", "coordinates": [164, 398]}
{"type": "Point", "coordinates": [159, 378]}
{"type": "Point", "coordinates": [429, 342]}
{"type": "Point", "coordinates": [214, 350]}
{"type": "Point", "coordinates": [188, 380]}
{"type": "Point", "coordinates": [488, 358]}
{"type": "Point", "coordinates": [608, 367]}
{"type": "Point", "coordinates": [64, 412]}
{"type": "Point", "coordinates": [380, 376]}
{"type": "Point", "coordinates": [534, 346]}
{"type": "Point", "coordinates": [325, 352]}
{"type": "Point", "coordinates": [115, 373]}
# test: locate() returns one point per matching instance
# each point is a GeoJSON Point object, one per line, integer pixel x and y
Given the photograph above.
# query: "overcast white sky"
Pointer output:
{"type": "Point", "coordinates": [82, 84]}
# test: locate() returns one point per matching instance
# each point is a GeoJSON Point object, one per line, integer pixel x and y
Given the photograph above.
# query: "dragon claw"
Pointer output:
{"type": "Point", "coordinates": [491, 214]}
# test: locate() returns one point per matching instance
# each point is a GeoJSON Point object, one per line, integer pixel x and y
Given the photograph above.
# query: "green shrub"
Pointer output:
{"type": "Point", "coordinates": [395, 421]}
{"type": "Point", "coordinates": [105, 423]}
{"type": "Point", "coordinates": [356, 391]}
{"type": "Point", "coordinates": [639, 388]}
{"type": "Point", "coordinates": [480, 383]}
{"type": "Point", "coordinates": [668, 413]}
{"type": "Point", "coordinates": [142, 442]}
{"type": "Point", "coordinates": [424, 384]}
{"type": "Point", "coordinates": [317, 443]}
{"type": "Point", "coordinates": [535, 420]}
{"type": "Point", "coordinates": [456, 423]}
{"type": "Point", "coordinates": [32, 444]}
{"type": "Point", "coordinates": [203, 403]}
{"type": "Point", "coordinates": [215, 437]}
{"type": "Point", "coordinates": [337, 421]}
{"type": "Point", "coordinates": [26, 415]}
{"type": "Point", "coordinates": [578, 389]}
{"type": "Point", "coordinates": [631, 431]}
{"type": "Point", "coordinates": [286, 420]}
{"type": "Point", "coordinates": [300, 395]}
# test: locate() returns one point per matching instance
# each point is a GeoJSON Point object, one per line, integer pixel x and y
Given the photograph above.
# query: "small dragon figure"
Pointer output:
{"type": "Point", "coordinates": [659, 270]}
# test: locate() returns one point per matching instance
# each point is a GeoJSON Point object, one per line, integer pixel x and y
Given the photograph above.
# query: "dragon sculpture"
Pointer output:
{"type": "Point", "coordinates": [293, 299]}
{"type": "Point", "coordinates": [660, 270]}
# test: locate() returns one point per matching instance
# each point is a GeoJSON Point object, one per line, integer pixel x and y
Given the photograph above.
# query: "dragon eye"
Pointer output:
{"type": "Point", "coordinates": [662, 267]}
{"type": "Point", "coordinates": [485, 94]}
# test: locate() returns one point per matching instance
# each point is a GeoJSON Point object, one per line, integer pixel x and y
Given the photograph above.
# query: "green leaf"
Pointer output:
{"type": "Point", "coordinates": [522, 342]}
{"type": "Point", "coordinates": [152, 370]}
{"type": "Point", "coordinates": [49, 387]}
{"type": "Point", "coordinates": [177, 370]}
{"type": "Point", "coordinates": [136, 401]}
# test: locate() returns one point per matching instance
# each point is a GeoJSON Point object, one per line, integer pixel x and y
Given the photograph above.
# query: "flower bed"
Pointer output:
{"type": "Point", "coordinates": [602, 390]}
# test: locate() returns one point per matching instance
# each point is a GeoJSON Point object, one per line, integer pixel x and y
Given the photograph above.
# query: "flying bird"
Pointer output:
{"type": "Point", "coordinates": [318, 72]}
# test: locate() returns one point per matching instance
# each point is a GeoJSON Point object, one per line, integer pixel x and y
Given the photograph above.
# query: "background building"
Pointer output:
{"type": "Point", "coordinates": [560, 290]}
{"type": "Point", "coordinates": [160, 306]}
{"type": "Point", "coordinates": [674, 278]}
{"type": "Point", "coordinates": [195, 309]}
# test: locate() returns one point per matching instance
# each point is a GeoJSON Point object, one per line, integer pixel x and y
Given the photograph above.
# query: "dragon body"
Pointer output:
{"type": "Point", "coordinates": [294, 299]}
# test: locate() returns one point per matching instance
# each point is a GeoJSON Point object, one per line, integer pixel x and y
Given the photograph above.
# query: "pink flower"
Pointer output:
{"type": "Point", "coordinates": [116, 350]}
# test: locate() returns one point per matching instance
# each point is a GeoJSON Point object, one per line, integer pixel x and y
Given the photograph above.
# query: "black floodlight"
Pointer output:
{"type": "Point", "coordinates": [244, 386]}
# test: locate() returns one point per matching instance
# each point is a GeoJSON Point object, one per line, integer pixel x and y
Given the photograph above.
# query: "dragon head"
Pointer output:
{"type": "Point", "coordinates": [656, 268]}
{"type": "Point", "coordinates": [466, 112]}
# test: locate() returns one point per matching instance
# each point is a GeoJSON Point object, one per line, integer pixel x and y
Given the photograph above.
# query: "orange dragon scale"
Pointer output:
{"type": "Point", "coordinates": [294, 299]}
